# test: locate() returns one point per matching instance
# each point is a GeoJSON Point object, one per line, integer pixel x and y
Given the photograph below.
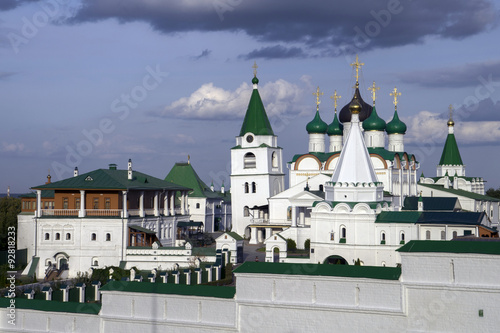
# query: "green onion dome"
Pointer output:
{"type": "Point", "coordinates": [335, 128]}
{"type": "Point", "coordinates": [255, 80]}
{"type": "Point", "coordinates": [374, 122]}
{"type": "Point", "coordinates": [317, 125]}
{"type": "Point", "coordinates": [396, 126]}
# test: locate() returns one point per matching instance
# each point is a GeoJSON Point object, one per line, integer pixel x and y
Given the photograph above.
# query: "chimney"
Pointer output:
{"type": "Point", "coordinates": [129, 169]}
{"type": "Point", "coordinates": [222, 189]}
{"type": "Point", "coordinates": [49, 177]}
{"type": "Point", "coordinates": [75, 173]}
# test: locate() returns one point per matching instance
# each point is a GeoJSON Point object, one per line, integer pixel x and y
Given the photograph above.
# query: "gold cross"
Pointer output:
{"type": "Point", "coordinates": [357, 65]}
{"type": "Point", "coordinates": [374, 89]}
{"type": "Point", "coordinates": [451, 112]}
{"type": "Point", "coordinates": [335, 97]}
{"type": "Point", "coordinates": [395, 93]}
{"type": "Point", "coordinates": [255, 68]}
{"type": "Point", "coordinates": [317, 94]}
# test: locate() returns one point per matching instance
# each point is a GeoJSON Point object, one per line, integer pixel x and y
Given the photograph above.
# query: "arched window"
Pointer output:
{"type": "Point", "coordinates": [93, 237]}
{"type": "Point", "coordinates": [254, 187]}
{"type": "Point", "coordinates": [274, 159]}
{"type": "Point", "coordinates": [342, 232]}
{"type": "Point", "coordinates": [249, 161]}
{"type": "Point", "coordinates": [47, 236]}
{"type": "Point", "coordinates": [428, 234]}
{"type": "Point", "coordinates": [198, 205]}
{"type": "Point", "coordinates": [455, 234]}
{"type": "Point", "coordinates": [246, 211]}
{"type": "Point", "coordinates": [402, 237]}
{"type": "Point", "coordinates": [321, 188]}
{"type": "Point", "coordinates": [382, 237]}
{"type": "Point", "coordinates": [246, 188]}
{"type": "Point", "coordinates": [108, 237]}
{"type": "Point", "coordinates": [58, 236]}
{"type": "Point", "coordinates": [443, 235]}
{"type": "Point", "coordinates": [68, 236]}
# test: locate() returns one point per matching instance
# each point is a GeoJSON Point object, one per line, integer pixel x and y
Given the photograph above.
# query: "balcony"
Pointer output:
{"type": "Point", "coordinates": [102, 212]}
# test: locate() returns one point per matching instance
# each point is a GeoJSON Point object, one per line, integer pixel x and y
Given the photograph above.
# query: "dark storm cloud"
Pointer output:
{"type": "Point", "coordinates": [274, 52]}
{"type": "Point", "coordinates": [484, 110]}
{"type": "Point", "coordinates": [11, 4]}
{"type": "Point", "coordinates": [468, 75]}
{"type": "Point", "coordinates": [334, 28]}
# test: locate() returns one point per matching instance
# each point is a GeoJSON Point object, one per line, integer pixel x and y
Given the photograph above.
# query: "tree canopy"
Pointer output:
{"type": "Point", "coordinates": [9, 209]}
{"type": "Point", "coordinates": [493, 193]}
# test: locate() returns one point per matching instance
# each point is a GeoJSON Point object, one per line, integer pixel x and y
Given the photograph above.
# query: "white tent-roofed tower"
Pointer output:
{"type": "Point", "coordinates": [354, 179]}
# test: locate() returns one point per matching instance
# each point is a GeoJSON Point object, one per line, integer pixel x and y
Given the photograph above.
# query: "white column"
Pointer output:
{"type": "Point", "coordinates": [156, 204]}
{"type": "Point", "coordinates": [186, 203]}
{"type": "Point", "coordinates": [302, 216]}
{"type": "Point", "coordinates": [124, 209]}
{"type": "Point", "coordinates": [38, 203]}
{"type": "Point", "coordinates": [172, 203]}
{"type": "Point", "coordinates": [141, 204]}
{"type": "Point", "coordinates": [253, 235]}
{"type": "Point", "coordinates": [165, 204]}
{"type": "Point", "coordinates": [81, 213]}
{"type": "Point", "coordinates": [183, 208]}
{"type": "Point", "coordinates": [294, 216]}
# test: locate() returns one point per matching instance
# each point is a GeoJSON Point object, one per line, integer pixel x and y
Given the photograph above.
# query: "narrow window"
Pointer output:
{"type": "Point", "coordinates": [254, 187]}
{"type": "Point", "coordinates": [65, 203]}
{"type": "Point", "coordinates": [68, 236]}
{"type": "Point", "coordinates": [246, 211]}
{"type": "Point", "coordinates": [197, 205]}
{"type": "Point", "coordinates": [343, 232]}
{"type": "Point", "coordinates": [93, 237]}
{"type": "Point", "coordinates": [246, 188]}
{"type": "Point", "coordinates": [107, 203]}
{"type": "Point", "coordinates": [321, 188]}
{"type": "Point", "coordinates": [108, 237]}
{"type": "Point", "coordinates": [455, 234]}
{"type": "Point", "coordinates": [443, 235]}
{"type": "Point", "coordinates": [77, 203]}
{"type": "Point", "coordinates": [47, 236]}
{"type": "Point", "coordinates": [275, 160]}
{"type": "Point", "coordinates": [428, 234]}
{"type": "Point", "coordinates": [402, 238]}
{"type": "Point", "coordinates": [58, 236]}
{"type": "Point", "coordinates": [96, 203]}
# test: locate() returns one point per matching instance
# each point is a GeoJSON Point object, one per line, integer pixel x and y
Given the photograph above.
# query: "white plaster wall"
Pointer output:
{"type": "Point", "coordinates": [44, 321]}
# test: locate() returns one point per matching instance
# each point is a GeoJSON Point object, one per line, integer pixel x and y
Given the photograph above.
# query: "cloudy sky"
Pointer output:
{"type": "Point", "coordinates": [91, 82]}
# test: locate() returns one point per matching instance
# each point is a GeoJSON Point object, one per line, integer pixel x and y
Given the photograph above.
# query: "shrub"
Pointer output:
{"type": "Point", "coordinates": [291, 245]}
{"type": "Point", "coordinates": [307, 244]}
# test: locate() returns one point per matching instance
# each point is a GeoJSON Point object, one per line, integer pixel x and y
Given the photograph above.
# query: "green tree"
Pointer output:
{"type": "Point", "coordinates": [9, 209]}
{"type": "Point", "coordinates": [307, 244]}
{"type": "Point", "coordinates": [291, 245]}
{"type": "Point", "coordinates": [493, 193]}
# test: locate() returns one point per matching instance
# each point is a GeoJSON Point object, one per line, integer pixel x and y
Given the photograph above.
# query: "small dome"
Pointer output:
{"type": "Point", "coordinates": [396, 126]}
{"type": "Point", "coordinates": [317, 125]}
{"type": "Point", "coordinates": [366, 109]}
{"type": "Point", "coordinates": [374, 122]}
{"type": "Point", "coordinates": [255, 80]}
{"type": "Point", "coordinates": [451, 123]}
{"type": "Point", "coordinates": [335, 128]}
{"type": "Point", "coordinates": [355, 106]}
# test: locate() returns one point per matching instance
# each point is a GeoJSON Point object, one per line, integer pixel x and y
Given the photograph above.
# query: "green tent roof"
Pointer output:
{"type": "Point", "coordinates": [451, 154]}
{"type": "Point", "coordinates": [110, 179]}
{"type": "Point", "coordinates": [256, 120]}
{"type": "Point", "coordinates": [184, 174]}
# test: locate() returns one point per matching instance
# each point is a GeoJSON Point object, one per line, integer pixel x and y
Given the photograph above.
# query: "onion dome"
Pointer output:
{"type": "Point", "coordinates": [451, 123]}
{"type": "Point", "coordinates": [335, 128]}
{"type": "Point", "coordinates": [355, 107]}
{"type": "Point", "coordinates": [396, 126]}
{"type": "Point", "coordinates": [317, 125]}
{"type": "Point", "coordinates": [366, 109]}
{"type": "Point", "coordinates": [255, 80]}
{"type": "Point", "coordinates": [374, 122]}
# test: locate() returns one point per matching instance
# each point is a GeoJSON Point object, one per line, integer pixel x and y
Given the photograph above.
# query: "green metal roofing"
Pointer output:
{"type": "Point", "coordinates": [458, 246]}
{"type": "Point", "coordinates": [141, 229]}
{"type": "Point", "coordinates": [374, 122]}
{"type": "Point", "coordinates": [467, 194]}
{"type": "Point", "coordinates": [369, 272]}
{"type": "Point", "coordinates": [108, 179]}
{"type": "Point", "coordinates": [433, 217]}
{"type": "Point", "coordinates": [172, 289]}
{"type": "Point", "coordinates": [53, 306]}
{"type": "Point", "coordinates": [396, 126]}
{"type": "Point", "coordinates": [451, 154]}
{"type": "Point", "coordinates": [45, 194]}
{"type": "Point", "coordinates": [256, 120]}
{"type": "Point", "coordinates": [234, 235]}
{"type": "Point", "coordinates": [335, 128]}
{"type": "Point", "coordinates": [317, 125]}
{"type": "Point", "coordinates": [184, 174]}
{"type": "Point", "coordinates": [430, 203]}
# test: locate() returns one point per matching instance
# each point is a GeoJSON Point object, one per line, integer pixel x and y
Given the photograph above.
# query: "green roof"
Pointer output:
{"type": "Point", "coordinates": [317, 125]}
{"type": "Point", "coordinates": [374, 122]}
{"type": "Point", "coordinates": [234, 235]}
{"type": "Point", "coordinates": [433, 217]}
{"type": "Point", "coordinates": [52, 306]}
{"type": "Point", "coordinates": [430, 203]}
{"type": "Point", "coordinates": [141, 229]}
{"type": "Point", "coordinates": [109, 179]}
{"type": "Point", "coordinates": [369, 272]}
{"type": "Point", "coordinates": [451, 154]}
{"type": "Point", "coordinates": [396, 126]}
{"type": "Point", "coordinates": [467, 194]}
{"type": "Point", "coordinates": [184, 174]}
{"type": "Point", "coordinates": [335, 128]}
{"type": "Point", "coordinates": [45, 194]}
{"type": "Point", "coordinates": [172, 289]}
{"type": "Point", "coordinates": [457, 246]}
{"type": "Point", "coordinates": [256, 120]}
